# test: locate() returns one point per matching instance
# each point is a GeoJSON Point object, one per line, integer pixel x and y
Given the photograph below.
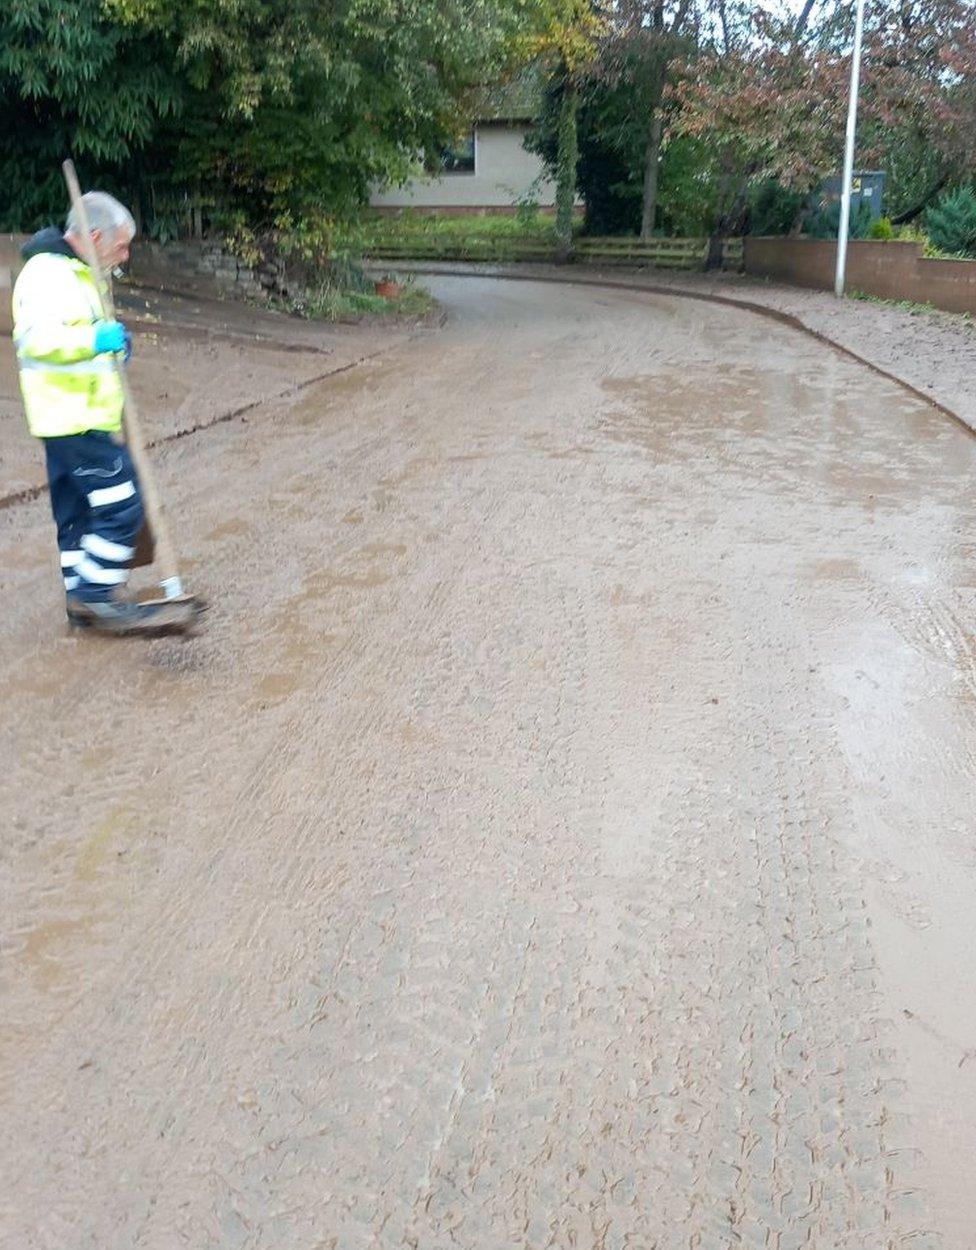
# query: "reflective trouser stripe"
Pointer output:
{"type": "Point", "coordinates": [111, 494]}
{"type": "Point", "coordinates": [103, 549]}
{"type": "Point", "coordinates": [70, 558]}
{"type": "Point", "coordinates": [71, 582]}
{"type": "Point", "coordinates": [92, 572]}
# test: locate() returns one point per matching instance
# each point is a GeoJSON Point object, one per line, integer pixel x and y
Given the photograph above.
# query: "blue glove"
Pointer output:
{"type": "Point", "coordinates": [111, 336]}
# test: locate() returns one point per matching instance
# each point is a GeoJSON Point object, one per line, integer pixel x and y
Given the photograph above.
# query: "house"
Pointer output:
{"type": "Point", "coordinates": [489, 170]}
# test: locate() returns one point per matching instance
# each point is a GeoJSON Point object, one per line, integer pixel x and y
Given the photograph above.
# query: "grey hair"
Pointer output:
{"type": "Point", "coordinates": [105, 214]}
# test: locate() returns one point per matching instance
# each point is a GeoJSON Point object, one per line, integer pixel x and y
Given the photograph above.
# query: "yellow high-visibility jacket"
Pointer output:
{"type": "Point", "coordinates": [67, 389]}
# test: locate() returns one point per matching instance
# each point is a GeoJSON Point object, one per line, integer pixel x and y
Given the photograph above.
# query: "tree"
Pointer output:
{"type": "Point", "coordinates": [768, 98]}
{"type": "Point", "coordinates": [278, 108]}
{"type": "Point", "coordinates": [72, 82]}
{"type": "Point", "coordinates": [649, 37]}
{"type": "Point", "coordinates": [919, 117]}
{"type": "Point", "coordinates": [611, 153]}
{"type": "Point", "coordinates": [562, 37]}
{"type": "Point", "coordinates": [315, 101]}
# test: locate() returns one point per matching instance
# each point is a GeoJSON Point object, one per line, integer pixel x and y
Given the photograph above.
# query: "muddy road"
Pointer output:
{"type": "Point", "coordinates": [561, 833]}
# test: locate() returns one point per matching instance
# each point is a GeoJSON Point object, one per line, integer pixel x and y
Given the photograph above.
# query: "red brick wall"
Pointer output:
{"type": "Point", "coordinates": [890, 270]}
{"type": "Point", "coordinates": [949, 284]}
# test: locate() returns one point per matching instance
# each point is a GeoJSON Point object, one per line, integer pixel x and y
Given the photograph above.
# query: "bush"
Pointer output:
{"type": "Point", "coordinates": [328, 301]}
{"type": "Point", "coordinates": [413, 225]}
{"type": "Point", "coordinates": [881, 228]}
{"type": "Point", "coordinates": [912, 233]}
{"type": "Point", "coordinates": [773, 209]}
{"type": "Point", "coordinates": [825, 223]}
{"type": "Point", "coordinates": [951, 223]}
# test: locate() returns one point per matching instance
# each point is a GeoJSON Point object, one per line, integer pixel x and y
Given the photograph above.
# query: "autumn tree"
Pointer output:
{"type": "Point", "coordinates": [562, 36]}
{"type": "Point", "coordinates": [919, 111]}
{"type": "Point", "coordinates": [767, 96]}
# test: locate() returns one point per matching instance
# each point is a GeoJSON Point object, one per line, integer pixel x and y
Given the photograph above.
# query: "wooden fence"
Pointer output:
{"type": "Point", "coordinates": [658, 253]}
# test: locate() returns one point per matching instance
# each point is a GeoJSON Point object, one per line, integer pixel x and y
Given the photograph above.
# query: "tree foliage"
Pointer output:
{"type": "Point", "coordinates": [611, 153]}
{"type": "Point", "coordinates": [753, 109]}
{"type": "Point", "coordinates": [562, 37]}
{"type": "Point", "coordinates": [681, 115]}
{"type": "Point", "coordinates": [72, 81]}
{"type": "Point", "coordinates": [648, 40]}
{"type": "Point", "coordinates": [270, 108]}
{"type": "Point", "coordinates": [765, 94]}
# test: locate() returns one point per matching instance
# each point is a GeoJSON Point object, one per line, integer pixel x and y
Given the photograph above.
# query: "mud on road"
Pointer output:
{"type": "Point", "coordinates": [561, 834]}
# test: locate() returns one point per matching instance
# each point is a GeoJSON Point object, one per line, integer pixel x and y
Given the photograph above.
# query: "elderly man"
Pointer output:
{"type": "Point", "coordinates": [73, 400]}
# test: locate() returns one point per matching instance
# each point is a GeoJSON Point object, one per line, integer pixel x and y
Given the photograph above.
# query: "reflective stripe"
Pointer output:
{"type": "Point", "coordinates": [98, 471]}
{"type": "Point", "coordinates": [93, 572]}
{"type": "Point", "coordinates": [98, 364]}
{"type": "Point", "coordinates": [111, 494]}
{"type": "Point", "coordinates": [71, 582]}
{"type": "Point", "coordinates": [70, 558]}
{"type": "Point", "coordinates": [101, 548]}
{"type": "Point", "coordinates": [55, 307]}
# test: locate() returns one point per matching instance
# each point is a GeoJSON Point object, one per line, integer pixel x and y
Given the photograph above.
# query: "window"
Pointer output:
{"type": "Point", "coordinates": [459, 157]}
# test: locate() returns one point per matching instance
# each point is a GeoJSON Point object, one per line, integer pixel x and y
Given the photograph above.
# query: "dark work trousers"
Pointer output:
{"type": "Point", "coordinates": [97, 509]}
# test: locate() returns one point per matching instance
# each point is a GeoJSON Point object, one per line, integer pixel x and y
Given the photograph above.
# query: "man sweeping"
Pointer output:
{"type": "Point", "coordinates": [73, 398]}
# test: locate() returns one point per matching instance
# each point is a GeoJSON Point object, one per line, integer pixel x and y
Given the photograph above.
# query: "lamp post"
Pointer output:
{"type": "Point", "coordinates": [845, 199]}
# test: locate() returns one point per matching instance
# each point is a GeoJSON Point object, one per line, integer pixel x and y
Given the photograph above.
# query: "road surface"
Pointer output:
{"type": "Point", "coordinates": [561, 833]}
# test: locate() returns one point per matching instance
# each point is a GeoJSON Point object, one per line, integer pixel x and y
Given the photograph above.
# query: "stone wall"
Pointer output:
{"type": "Point", "coordinates": [202, 267]}
{"type": "Point", "coordinates": [10, 245]}
{"type": "Point", "coordinates": [888, 270]}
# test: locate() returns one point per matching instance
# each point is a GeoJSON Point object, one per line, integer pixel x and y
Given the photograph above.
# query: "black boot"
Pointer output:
{"type": "Point", "coordinates": [106, 616]}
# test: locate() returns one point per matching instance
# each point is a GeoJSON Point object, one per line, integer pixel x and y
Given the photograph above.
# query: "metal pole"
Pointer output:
{"type": "Point", "coordinates": [845, 199]}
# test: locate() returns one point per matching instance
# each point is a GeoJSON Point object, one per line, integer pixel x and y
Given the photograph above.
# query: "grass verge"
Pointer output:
{"type": "Point", "coordinates": [913, 307]}
{"type": "Point", "coordinates": [335, 303]}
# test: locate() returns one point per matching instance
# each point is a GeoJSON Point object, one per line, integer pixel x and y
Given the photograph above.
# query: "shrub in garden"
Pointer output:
{"type": "Point", "coordinates": [951, 224]}
{"type": "Point", "coordinates": [825, 223]}
{"type": "Point", "coordinates": [773, 208]}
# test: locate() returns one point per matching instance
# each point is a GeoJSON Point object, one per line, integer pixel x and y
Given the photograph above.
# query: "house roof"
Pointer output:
{"type": "Point", "coordinates": [516, 100]}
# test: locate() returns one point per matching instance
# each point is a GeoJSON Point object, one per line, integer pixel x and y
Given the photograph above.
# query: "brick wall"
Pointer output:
{"type": "Point", "coordinates": [891, 270]}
